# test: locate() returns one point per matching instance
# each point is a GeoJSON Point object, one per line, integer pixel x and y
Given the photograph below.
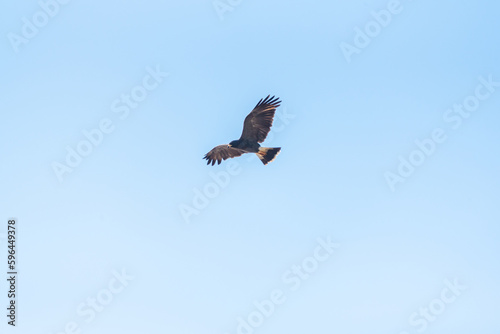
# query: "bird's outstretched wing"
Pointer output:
{"type": "Point", "coordinates": [222, 152]}
{"type": "Point", "coordinates": [258, 123]}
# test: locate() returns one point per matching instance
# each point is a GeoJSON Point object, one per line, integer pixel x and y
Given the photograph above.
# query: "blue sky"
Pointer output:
{"type": "Point", "coordinates": [379, 215]}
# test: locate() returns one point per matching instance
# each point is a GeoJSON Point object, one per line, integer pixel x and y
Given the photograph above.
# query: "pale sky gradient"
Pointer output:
{"type": "Point", "coordinates": [343, 125]}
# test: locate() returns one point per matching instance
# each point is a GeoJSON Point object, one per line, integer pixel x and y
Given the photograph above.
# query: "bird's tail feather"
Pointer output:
{"type": "Point", "coordinates": [268, 154]}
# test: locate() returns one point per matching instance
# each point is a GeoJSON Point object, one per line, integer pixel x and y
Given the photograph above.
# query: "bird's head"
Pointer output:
{"type": "Point", "coordinates": [233, 143]}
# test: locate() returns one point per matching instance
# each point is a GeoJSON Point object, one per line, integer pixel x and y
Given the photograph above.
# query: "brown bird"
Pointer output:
{"type": "Point", "coordinates": [255, 129]}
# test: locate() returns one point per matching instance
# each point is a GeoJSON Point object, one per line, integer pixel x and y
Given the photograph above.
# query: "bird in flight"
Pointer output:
{"type": "Point", "coordinates": [255, 129]}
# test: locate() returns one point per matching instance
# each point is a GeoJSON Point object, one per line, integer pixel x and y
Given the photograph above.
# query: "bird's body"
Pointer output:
{"type": "Point", "coordinates": [246, 145]}
{"type": "Point", "coordinates": [255, 129]}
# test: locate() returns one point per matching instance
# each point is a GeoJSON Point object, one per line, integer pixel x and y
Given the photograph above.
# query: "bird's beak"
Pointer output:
{"type": "Point", "coordinates": [228, 145]}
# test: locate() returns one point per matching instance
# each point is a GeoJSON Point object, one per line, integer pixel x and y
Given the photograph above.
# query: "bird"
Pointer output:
{"type": "Point", "coordinates": [255, 129]}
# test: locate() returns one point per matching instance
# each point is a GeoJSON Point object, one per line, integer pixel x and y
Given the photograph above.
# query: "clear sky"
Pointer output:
{"type": "Point", "coordinates": [380, 215]}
